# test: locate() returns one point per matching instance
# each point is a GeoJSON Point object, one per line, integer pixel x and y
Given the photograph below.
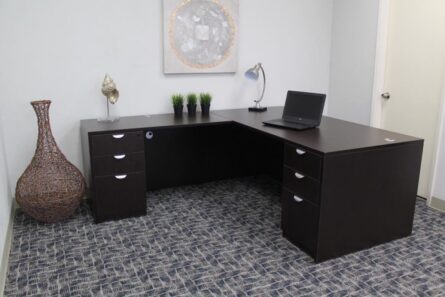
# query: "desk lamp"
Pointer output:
{"type": "Point", "coordinates": [254, 74]}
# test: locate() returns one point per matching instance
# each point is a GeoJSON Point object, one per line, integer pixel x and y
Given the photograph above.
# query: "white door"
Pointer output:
{"type": "Point", "coordinates": [414, 75]}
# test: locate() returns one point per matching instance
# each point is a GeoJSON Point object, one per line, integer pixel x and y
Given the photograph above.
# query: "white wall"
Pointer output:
{"type": "Point", "coordinates": [439, 178]}
{"type": "Point", "coordinates": [62, 49]}
{"type": "Point", "coordinates": [439, 188]}
{"type": "Point", "coordinates": [5, 201]}
{"type": "Point", "coordinates": [354, 37]}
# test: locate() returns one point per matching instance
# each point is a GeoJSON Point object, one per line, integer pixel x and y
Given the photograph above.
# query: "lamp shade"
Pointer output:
{"type": "Point", "coordinates": [254, 72]}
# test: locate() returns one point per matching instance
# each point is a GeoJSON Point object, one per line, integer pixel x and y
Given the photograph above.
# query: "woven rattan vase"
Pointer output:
{"type": "Point", "coordinates": [51, 188]}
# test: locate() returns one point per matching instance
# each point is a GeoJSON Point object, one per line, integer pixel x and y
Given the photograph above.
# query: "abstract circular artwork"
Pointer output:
{"type": "Point", "coordinates": [201, 35]}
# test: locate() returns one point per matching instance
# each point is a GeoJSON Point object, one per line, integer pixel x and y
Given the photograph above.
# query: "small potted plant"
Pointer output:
{"type": "Point", "coordinates": [192, 99]}
{"type": "Point", "coordinates": [205, 99]}
{"type": "Point", "coordinates": [178, 104]}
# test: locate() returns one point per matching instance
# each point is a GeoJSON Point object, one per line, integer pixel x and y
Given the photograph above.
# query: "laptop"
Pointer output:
{"type": "Point", "coordinates": [302, 111]}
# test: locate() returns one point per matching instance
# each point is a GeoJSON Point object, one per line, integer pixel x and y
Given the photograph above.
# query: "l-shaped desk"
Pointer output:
{"type": "Point", "coordinates": [345, 186]}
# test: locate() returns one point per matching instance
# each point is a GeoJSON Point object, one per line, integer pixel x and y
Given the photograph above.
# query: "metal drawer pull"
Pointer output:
{"type": "Point", "coordinates": [299, 176]}
{"type": "Point", "coordinates": [119, 157]}
{"type": "Point", "coordinates": [298, 199]}
{"type": "Point", "coordinates": [118, 136]}
{"type": "Point", "coordinates": [121, 176]}
{"type": "Point", "coordinates": [300, 152]}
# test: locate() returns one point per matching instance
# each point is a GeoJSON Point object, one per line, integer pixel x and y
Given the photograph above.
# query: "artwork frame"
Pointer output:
{"type": "Point", "coordinates": [200, 36]}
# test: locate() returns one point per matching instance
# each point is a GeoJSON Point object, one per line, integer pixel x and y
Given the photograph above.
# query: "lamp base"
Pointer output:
{"type": "Point", "coordinates": [258, 109]}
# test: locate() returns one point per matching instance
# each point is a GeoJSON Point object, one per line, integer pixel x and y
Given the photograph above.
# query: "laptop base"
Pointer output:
{"type": "Point", "coordinates": [278, 123]}
{"type": "Point", "coordinates": [258, 109]}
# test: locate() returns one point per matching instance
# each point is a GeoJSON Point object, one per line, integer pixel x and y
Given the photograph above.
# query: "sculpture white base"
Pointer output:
{"type": "Point", "coordinates": [108, 119]}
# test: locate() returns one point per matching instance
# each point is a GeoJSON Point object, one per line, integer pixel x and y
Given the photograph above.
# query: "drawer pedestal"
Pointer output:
{"type": "Point", "coordinates": [117, 175]}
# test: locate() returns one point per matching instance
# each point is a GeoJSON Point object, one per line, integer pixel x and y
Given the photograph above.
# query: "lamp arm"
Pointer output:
{"type": "Point", "coordinates": [264, 86]}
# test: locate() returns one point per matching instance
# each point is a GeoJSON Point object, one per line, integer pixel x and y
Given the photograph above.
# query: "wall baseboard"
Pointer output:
{"type": "Point", "coordinates": [6, 250]}
{"type": "Point", "coordinates": [437, 203]}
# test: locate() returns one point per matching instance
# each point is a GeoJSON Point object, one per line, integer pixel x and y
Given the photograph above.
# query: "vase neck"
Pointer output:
{"type": "Point", "coordinates": [45, 142]}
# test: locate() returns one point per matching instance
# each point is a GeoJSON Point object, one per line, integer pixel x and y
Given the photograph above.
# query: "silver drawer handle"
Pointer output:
{"type": "Point", "coordinates": [300, 152]}
{"type": "Point", "coordinates": [119, 157]}
{"type": "Point", "coordinates": [297, 199]}
{"type": "Point", "coordinates": [121, 176]}
{"type": "Point", "coordinates": [299, 176]}
{"type": "Point", "coordinates": [118, 136]}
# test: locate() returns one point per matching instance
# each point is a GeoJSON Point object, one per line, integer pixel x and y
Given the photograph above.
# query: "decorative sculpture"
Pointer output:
{"type": "Point", "coordinates": [110, 91]}
{"type": "Point", "coordinates": [51, 188]}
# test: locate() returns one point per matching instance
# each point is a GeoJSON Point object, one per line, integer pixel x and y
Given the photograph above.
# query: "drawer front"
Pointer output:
{"type": "Point", "coordinates": [118, 164]}
{"type": "Point", "coordinates": [117, 143]}
{"type": "Point", "coordinates": [302, 185]}
{"type": "Point", "coordinates": [303, 161]}
{"type": "Point", "coordinates": [119, 196]}
{"type": "Point", "coordinates": [299, 221]}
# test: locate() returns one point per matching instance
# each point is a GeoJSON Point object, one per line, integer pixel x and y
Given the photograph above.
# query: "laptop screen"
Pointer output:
{"type": "Point", "coordinates": [304, 107]}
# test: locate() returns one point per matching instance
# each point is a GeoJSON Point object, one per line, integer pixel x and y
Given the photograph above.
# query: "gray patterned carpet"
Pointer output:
{"type": "Point", "coordinates": [217, 239]}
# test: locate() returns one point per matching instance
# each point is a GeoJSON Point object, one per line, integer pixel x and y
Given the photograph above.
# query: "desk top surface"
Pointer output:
{"type": "Point", "coordinates": [332, 136]}
{"type": "Point", "coordinates": [151, 121]}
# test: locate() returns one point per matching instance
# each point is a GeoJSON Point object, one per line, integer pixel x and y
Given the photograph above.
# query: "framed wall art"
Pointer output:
{"type": "Point", "coordinates": [200, 36]}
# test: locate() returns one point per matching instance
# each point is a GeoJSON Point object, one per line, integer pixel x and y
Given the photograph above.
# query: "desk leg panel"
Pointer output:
{"type": "Point", "coordinates": [368, 198]}
{"type": "Point", "coordinates": [190, 155]}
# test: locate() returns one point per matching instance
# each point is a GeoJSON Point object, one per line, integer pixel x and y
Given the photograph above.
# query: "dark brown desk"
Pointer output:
{"type": "Point", "coordinates": [346, 186]}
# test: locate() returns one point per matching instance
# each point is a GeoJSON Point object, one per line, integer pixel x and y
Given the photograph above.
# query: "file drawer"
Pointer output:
{"type": "Point", "coordinates": [303, 161]}
{"type": "Point", "coordinates": [117, 143]}
{"type": "Point", "coordinates": [303, 186]}
{"type": "Point", "coordinates": [299, 221]}
{"type": "Point", "coordinates": [120, 196]}
{"type": "Point", "coordinates": [118, 164]}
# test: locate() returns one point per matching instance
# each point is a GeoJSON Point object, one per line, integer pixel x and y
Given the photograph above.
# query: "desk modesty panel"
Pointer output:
{"type": "Point", "coordinates": [345, 187]}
